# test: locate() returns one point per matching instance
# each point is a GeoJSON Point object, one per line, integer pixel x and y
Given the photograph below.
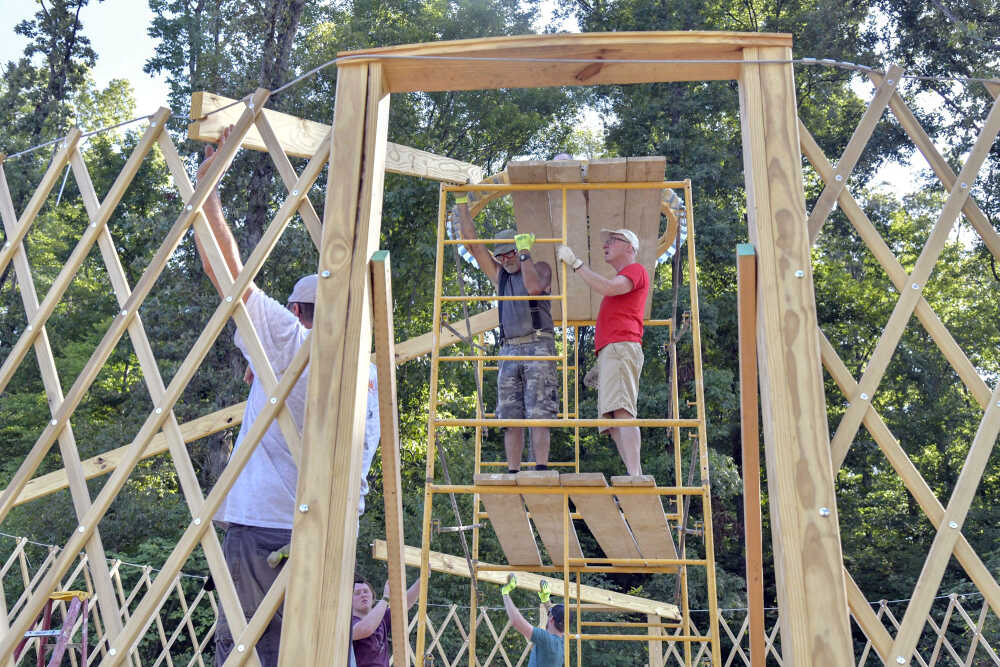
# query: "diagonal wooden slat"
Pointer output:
{"type": "Point", "coordinates": [905, 305]}
{"type": "Point", "coordinates": [53, 390]}
{"type": "Point", "coordinates": [911, 478]}
{"type": "Point", "coordinates": [852, 153]}
{"type": "Point", "coordinates": [877, 245]}
{"type": "Point", "coordinates": [941, 168]}
{"type": "Point", "coordinates": [38, 197]}
{"type": "Point", "coordinates": [186, 475]}
{"type": "Point", "coordinates": [155, 421]}
{"type": "Point", "coordinates": [947, 535]}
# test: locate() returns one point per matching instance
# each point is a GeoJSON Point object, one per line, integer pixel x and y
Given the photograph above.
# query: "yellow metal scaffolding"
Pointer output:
{"type": "Point", "coordinates": [681, 494]}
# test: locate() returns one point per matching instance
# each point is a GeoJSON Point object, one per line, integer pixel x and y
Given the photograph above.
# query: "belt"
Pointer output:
{"type": "Point", "coordinates": [530, 338]}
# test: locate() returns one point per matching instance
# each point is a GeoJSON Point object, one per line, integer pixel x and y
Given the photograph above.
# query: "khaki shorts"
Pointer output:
{"type": "Point", "coordinates": [618, 368]}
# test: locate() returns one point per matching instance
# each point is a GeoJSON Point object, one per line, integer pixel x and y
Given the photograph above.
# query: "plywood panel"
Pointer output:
{"type": "Point", "coordinates": [547, 514]}
{"type": "Point", "coordinates": [510, 521]}
{"type": "Point", "coordinates": [569, 171]}
{"type": "Point", "coordinates": [642, 211]}
{"type": "Point", "coordinates": [606, 210]}
{"type": "Point", "coordinates": [645, 518]}
{"type": "Point", "coordinates": [531, 210]}
{"type": "Point", "coordinates": [602, 516]}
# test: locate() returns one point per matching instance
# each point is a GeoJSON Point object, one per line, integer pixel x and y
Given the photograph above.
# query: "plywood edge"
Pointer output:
{"type": "Point", "coordinates": [633, 480]}
{"type": "Point", "coordinates": [582, 479]}
{"type": "Point", "coordinates": [495, 479]}
{"type": "Point", "coordinates": [537, 478]}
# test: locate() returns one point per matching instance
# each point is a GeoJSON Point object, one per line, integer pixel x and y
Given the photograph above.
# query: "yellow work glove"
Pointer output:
{"type": "Point", "coordinates": [523, 242]}
{"type": "Point", "coordinates": [461, 198]}
{"type": "Point", "coordinates": [543, 592]}
{"type": "Point", "coordinates": [509, 586]}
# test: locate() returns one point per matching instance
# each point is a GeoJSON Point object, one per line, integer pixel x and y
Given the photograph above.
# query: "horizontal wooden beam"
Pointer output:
{"type": "Point", "coordinates": [300, 138]}
{"type": "Point", "coordinates": [459, 567]}
{"type": "Point", "coordinates": [564, 59]}
{"type": "Point", "coordinates": [231, 416]}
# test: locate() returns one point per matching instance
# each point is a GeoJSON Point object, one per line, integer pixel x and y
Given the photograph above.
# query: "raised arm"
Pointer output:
{"type": "Point", "coordinates": [478, 250]}
{"type": "Point", "coordinates": [220, 229]}
{"type": "Point", "coordinates": [517, 619]}
{"type": "Point", "coordinates": [605, 286]}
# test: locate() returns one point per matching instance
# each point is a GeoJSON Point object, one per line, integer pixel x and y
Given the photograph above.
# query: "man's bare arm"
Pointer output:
{"type": "Point", "coordinates": [220, 229]}
{"type": "Point", "coordinates": [517, 619]}
{"type": "Point", "coordinates": [537, 277]}
{"type": "Point", "coordinates": [478, 250]}
{"type": "Point", "coordinates": [605, 286]}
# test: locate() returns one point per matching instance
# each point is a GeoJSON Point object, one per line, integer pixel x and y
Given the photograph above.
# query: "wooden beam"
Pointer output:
{"type": "Point", "coordinates": [528, 581]}
{"type": "Point", "coordinates": [392, 485]}
{"type": "Point", "coordinates": [324, 536]}
{"type": "Point", "coordinates": [554, 59]}
{"type": "Point", "coordinates": [299, 137]}
{"type": "Point", "coordinates": [746, 288]}
{"type": "Point", "coordinates": [815, 623]}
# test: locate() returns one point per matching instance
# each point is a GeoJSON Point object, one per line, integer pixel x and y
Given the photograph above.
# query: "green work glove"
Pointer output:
{"type": "Point", "coordinates": [524, 241]}
{"type": "Point", "coordinates": [509, 586]}
{"type": "Point", "coordinates": [543, 592]}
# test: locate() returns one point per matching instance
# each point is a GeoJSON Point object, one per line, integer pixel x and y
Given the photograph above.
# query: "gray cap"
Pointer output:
{"type": "Point", "coordinates": [304, 290]}
{"type": "Point", "coordinates": [505, 247]}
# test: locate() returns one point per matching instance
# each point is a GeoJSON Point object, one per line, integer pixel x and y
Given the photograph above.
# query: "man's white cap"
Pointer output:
{"type": "Point", "coordinates": [304, 290]}
{"type": "Point", "coordinates": [627, 233]}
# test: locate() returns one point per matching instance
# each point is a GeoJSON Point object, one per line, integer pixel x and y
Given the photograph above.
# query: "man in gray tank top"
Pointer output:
{"type": "Point", "coordinates": [525, 389]}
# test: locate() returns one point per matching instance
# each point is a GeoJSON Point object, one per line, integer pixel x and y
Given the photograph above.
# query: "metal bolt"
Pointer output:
{"type": "Point", "coordinates": [159, 411]}
{"type": "Point", "coordinates": [113, 651]}
{"type": "Point", "coordinates": [30, 328]}
{"type": "Point", "coordinates": [229, 299]}
{"type": "Point", "coordinates": [965, 186]}
{"type": "Point", "coordinates": [6, 245]}
{"type": "Point", "coordinates": [250, 104]}
{"type": "Point", "coordinates": [915, 286]}
{"type": "Point", "coordinates": [998, 404]}
{"type": "Point", "coordinates": [325, 273]}
{"type": "Point", "coordinates": [93, 224]}
{"type": "Point", "coordinates": [82, 529]}
{"type": "Point", "coordinates": [273, 400]}
{"type": "Point", "coordinates": [953, 524]}
{"type": "Point", "coordinates": [197, 521]}
{"type": "Point", "coordinates": [800, 274]}
{"type": "Point", "coordinates": [864, 396]}
{"type": "Point", "coordinates": [838, 178]}
{"type": "Point", "coordinates": [890, 81]}
{"type": "Point", "coordinates": [152, 123]}
{"type": "Point", "coordinates": [241, 648]}
{"type": "Point", "coordinates": [303, 508]}
{"type": "Point", "coordinates": [295, 193]}
{"type": "Point", "coordinates": [900, 659]}
{"type": "Point", "coordinates": [124, 312]}
{"type": "Point", "coordinates": [54, 422]}
{"type": "Point", "coordinates": [189, 207]}
{"type": "Point", "coordinates": [824, 512]}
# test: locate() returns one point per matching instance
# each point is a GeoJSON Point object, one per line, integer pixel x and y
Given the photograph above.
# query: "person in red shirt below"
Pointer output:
{"type": "Point", "coordinates": [618, 339]}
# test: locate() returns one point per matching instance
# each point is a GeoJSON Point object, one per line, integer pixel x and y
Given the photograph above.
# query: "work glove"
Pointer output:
{"type": "Point", "coordinates": [566, 255]}
{"type": "Point", "coordinates": [275, 558]}
{"type": "Point", "coordinates": [510, 585]}
{"type": "Point", "coordinates": [543, 592]}
{"type": "Point", "coordinates": [524, 242]}
{"type": "Point", "coordinates": [590, 380]}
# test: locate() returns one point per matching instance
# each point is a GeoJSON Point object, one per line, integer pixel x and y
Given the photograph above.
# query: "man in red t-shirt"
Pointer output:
{"type": "Point", "coordinates": [618, 339]}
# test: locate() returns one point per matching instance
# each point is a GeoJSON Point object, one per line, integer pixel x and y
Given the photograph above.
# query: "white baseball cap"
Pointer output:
{"type": "Point", "coordinates": [627, 233]}
{"type": "Point", "coordinates": [304, 290]}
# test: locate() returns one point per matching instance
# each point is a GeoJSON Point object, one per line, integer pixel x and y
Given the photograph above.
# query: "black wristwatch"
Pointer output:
{"type": "Point", "coordinates": [524, 257]}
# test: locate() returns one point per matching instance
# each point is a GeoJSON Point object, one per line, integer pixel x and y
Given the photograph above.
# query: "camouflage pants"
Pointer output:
{"type": "Point", "coordinates": [528, 389]}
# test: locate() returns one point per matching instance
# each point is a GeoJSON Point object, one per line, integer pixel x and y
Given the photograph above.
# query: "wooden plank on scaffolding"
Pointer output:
{"type": "Point", "coordinates": [325, 536]}
{"type": "Point", "coordinates": [605, 209]}
{"type": "Point", "coordinates": [815, 623]}
{"type": "Point", "coordinates": [568, 171]}
{"type": "Point", "coordinates": [531, 212]}
{"type": "Point", "coordinates": [645, 517]}
{"type": "Point", "coordinates": [642, 212]}
{"type": "Point", "coordinates": [300, 138]}
{"type": "Point", "coordinates": [392, 486]}
{"type": "Point", "coordinates": [602, 516]}
{"type": "Point", "coordinates": [564, 59]}
{"type": "Point", "coordinates": [547, 514]}
{"type": "Point", "coordinates": [509, 520]}
{"type": "Point", "coordinates": [528, 581]}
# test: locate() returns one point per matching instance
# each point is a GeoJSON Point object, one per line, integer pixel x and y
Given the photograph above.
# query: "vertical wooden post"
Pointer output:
{"type": "Point", "coordinates": [746, 288]}
{"type": "Point", "coordinates": [318, 601]}
{"type": "Point", "coordinates": [385, 359]}
{"type": "Point", "coordinates": [655, 645]}
{"type": "Point", "coordinates": [815, 624]}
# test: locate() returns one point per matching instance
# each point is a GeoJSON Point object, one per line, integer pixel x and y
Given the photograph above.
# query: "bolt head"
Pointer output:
{"type": "Point", "coordinates": [241, 648]}
{"type": "Point", "coordinates": [54, 422]}
{"type": "Point", "coordinates": [824, 512]}
{"type": "Point", "coordinates": [273, 400]}
{"type": "Point", "coordinates": [295, 193]}
{"type": "Point", "coordinates": [197, 521]}
{"type": "Point", "coordinates": [112, 651]}
{"type": "Point", "coordinates": [901, 660]}
{"type": "Point", "coordinates": [82, 529]}
{"type": "Point", "coordinates": [229, 299]}
{"type": "Point", "coordinates": [325, 273]}
{"type": "Point", "coordinates": [838, 178]}
{"type": "Point", "coordinates": [953, 524]}
{"type": "Point", "coordinates": [863, 396]}
{"type": "Point", "coordinates": [800, 274]}
{"type": "Point", "coordinates": [965, 186]}
{"type": "Point", "coordinates": [159, 411]}
{"type": "Point", "coordinates": [124, 312]}
{"type": "Point", "coordinates": [303, 508]}
{"type": "Point", "coordinates": [29, 328]}
{"type": "Point", "coordinates": [890, 81]}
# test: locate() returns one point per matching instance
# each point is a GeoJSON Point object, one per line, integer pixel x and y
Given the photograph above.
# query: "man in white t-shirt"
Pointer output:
{"type": "Point", "coordinates": [259, 509]}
